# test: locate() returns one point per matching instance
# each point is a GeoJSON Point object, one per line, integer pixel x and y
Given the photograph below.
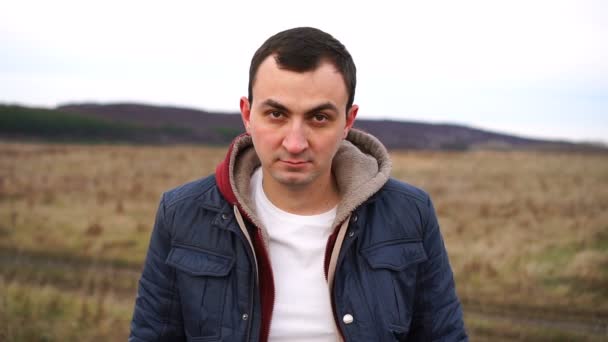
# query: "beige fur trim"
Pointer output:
{"type": "Point", "coordinates": [361, 167]}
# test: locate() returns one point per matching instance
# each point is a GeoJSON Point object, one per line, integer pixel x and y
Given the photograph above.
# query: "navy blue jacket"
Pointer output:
{"type": "Point", "coordinates": [392, 279]}
{"type": "Point", "coordinates": [198, 284]}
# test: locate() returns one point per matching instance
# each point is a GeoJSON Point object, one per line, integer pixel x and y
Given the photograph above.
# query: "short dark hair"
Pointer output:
{"type": "Point", "coordinates": [302, 49]}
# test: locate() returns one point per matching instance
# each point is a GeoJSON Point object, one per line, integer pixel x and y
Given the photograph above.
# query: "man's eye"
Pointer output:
{"type": "Point", "coordinates": [319, 117]}
{"type": "Point", "coordinates": [275, 114]}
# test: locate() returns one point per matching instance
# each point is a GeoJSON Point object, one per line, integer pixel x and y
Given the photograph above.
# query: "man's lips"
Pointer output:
{"type": "Point", "coordinates": [292, 162]}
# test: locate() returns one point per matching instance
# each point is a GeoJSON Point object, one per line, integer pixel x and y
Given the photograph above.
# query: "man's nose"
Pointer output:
{"type": "Point", "coordinates": [295, 140]}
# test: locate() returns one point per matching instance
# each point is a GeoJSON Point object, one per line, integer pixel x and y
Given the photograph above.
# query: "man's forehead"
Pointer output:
{"type": "Point", "coordinates": [324, 82]}
{"type": "Point", "coordinates": [270, 65]}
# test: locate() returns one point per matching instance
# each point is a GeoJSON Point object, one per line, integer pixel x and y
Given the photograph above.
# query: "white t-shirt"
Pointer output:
{"type": "Point", "coordinates": [302, 307]}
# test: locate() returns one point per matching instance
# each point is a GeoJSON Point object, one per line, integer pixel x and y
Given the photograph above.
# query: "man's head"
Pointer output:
{"type": "Point", "coordinates": [303, 49]}
{"type": "Point", "coordinates": [299, 108]}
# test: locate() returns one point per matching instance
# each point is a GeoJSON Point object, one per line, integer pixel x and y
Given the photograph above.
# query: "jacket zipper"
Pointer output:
{"type": "Point", "coordinates": [251, 303]}
{"type": "Point", "coordinates": [343, 227]}
{"type": "Point", "coordinates": [274, 292]}
{"type": "Point", "coordinates": [254, 274]}
{"type": "Point", "coordinates": [243, 227]}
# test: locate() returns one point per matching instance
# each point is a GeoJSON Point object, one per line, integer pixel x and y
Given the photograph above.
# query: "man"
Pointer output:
{"type": "Point", "coordinates": [300, 235]}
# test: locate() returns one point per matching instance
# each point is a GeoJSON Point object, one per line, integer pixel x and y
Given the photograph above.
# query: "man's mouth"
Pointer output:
{"type": "Point", "coordinates": [294, 162]}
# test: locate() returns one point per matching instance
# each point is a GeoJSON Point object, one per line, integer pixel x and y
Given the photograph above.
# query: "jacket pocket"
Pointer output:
{"type": "Point", "coordinates": [202, 279]}
{"type": "Point", "coordinates": [393, 269]}
{"type": "Point", "coordinates": [198, 262]}
{"type": "Point", "coordinates": [396, 256]}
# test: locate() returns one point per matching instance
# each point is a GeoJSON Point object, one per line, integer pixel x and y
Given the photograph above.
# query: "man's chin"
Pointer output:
{"type": "Point", "coordinates": [294, 179]}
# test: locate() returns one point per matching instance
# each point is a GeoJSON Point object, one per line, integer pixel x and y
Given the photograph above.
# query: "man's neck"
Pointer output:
{"type": "Point", "coordinates": [316, 198]}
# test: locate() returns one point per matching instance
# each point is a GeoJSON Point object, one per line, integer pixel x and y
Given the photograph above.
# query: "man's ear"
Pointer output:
{"type": "Point", "coordinates": [245, 112]}
{"type": "Point", "coordinates": [350, 119]}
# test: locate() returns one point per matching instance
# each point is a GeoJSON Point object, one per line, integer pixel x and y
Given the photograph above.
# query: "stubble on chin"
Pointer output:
{"type": "Point", "coordinates": [293, 179]}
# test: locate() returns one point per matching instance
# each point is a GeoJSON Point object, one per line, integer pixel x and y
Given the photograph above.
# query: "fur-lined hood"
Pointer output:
{"type": "Point", "coordinates": [361, 167]}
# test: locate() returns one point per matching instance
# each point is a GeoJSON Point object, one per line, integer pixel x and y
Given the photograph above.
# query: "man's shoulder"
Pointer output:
{"type": "Point", "coordinates": [397, 188]}
{"type": "Point", "coordinates": [201, 189]}
{"type": "Point", "coordinates": [402, 209]}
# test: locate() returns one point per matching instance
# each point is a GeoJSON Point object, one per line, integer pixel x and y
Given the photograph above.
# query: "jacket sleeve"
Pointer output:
{"type": "Point", "coordinates": [437, 314]}
{"type": "Point", "coordinates": [157, 313]}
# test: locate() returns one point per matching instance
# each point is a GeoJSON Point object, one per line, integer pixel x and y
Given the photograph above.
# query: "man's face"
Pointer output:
{"type": "Point", "coordinates": [297, 121]}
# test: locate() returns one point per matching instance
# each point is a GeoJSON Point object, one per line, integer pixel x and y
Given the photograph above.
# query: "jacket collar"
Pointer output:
{"type": "Point", "coordinates": [361, 167]}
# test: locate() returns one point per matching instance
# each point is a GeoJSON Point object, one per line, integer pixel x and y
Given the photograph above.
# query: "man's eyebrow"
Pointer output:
{"type": "Point", "coordinates": [274, 104]}
{"type": "Point", "coordinates": [323, 107]}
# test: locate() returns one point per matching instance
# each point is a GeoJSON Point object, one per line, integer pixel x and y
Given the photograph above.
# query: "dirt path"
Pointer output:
{"type": "Point", "coordinates": [78, 274]}
{"type": "Point", "coordinates": [589, 326]}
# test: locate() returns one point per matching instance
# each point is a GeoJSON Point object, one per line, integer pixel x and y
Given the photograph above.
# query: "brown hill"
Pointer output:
{"type": "Point", "coordinates": [220, 128]}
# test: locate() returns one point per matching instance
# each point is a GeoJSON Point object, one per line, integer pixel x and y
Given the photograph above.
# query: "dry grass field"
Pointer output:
{"type": "Point", "coordinates": [527, 234]}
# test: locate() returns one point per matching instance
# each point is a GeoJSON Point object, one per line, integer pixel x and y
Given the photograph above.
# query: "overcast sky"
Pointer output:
{"type": "Point", "coordinates": [533, 68]}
